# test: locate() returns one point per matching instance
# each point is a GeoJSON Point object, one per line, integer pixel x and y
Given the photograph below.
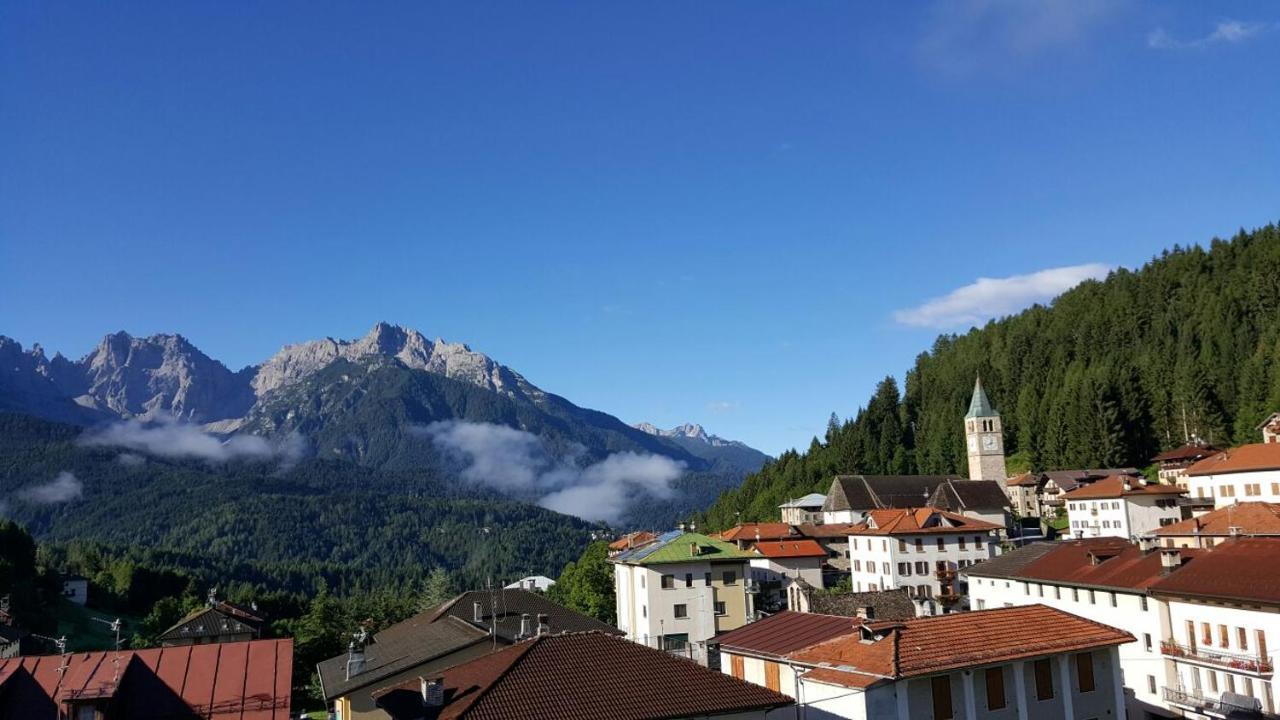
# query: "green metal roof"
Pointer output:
{"type": "Point", "coordinates": [676, 547]}
{"type": "Point", "coordinates": [980, 406]}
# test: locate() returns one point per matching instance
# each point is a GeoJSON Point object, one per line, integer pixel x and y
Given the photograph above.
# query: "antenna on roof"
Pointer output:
{"type": "Point", "coordinates": [213, 597]}
{"type": "Point", "coordinates": [115, 626]}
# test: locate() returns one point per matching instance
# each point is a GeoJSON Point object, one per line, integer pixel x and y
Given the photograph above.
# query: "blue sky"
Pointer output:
{"type": "Point", "coordinates": [740, 214]}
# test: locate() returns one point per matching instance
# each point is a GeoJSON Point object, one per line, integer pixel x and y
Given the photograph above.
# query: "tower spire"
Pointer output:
{"type": "Point", "coordinates": [980, 405]}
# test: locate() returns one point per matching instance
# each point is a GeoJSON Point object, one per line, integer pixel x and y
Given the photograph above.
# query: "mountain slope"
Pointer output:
{"type": "Point", "coordinates": [1106, 376]}
{"type": "Point", "coordinates": [727, 455]}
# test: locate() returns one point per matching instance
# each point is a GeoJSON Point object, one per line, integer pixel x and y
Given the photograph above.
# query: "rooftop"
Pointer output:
{"type": "Point", "coordinates": [1190, 451]}
{"type": "Point", "coordinates": [747, 532]}
{"type": "Point", "coordinates": [1246, 458]}
{"type": "Point", "coordinates": [829, 530]}
{"type": "Point", "coordinates": [1122, 486]}
{"type": "Point", "coordinates": [979, 404]}
{"type": "Point", "coordinates": [785, 632]}
{"type": "Point", "coordinates": [789, 548]}
{"type": "Point", "coordinates": [812, 500]}
{"type": "Point", "coordinates": [1093, 562]}
{"type": "Point", "coordinates": [578, 677]}
{"type": "Point", "coordinates": [1245, 518]}
{"type": "Point", "coordinates": [915, 521]}
{"type": "Point", "coordinates": [679, 547]}
{"type": "Point", "coordinates": [867, 492]}
{"type": "Point", "coordinates": [634, 539]}
{"type": "Point", "coordinates": [925, 646]}
{"type": "Point", "coordinates": [221, 681]}
{"type": "Point", "coordinates": [1244, 570]}
{"type": "Point", "coordinates": [893, 604]}
{"type": "Point", "coordinates": [212, 622]}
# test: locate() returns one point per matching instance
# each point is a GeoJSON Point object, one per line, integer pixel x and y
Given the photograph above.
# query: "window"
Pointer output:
{"type": "Point", "coordinates": [1206, 633]}
{"type": "Point", "coordinates": [730, 577]}
{"type": "Point", "coordinates": [1243, 638]}
{"type": "Point", "coordinates": [1223, 640]}
{"type": "Point", "coordinates": [1146, 641]}
{"type": "Point", "coordinates": [1113, 599]}
{"type": "Point", "coordinates": [688, 580]}
{"type": "Point", "coordinates": [904, 568]}
{"type": "Point", "coordinates": [902, 545]}
{"type": "Point", "coordinates": [681, 611]}
{"type": "Point", "coordinates": [1275, 488]}
{"type": "Point", "coordinates": [1075, 594]}
{"type": "Point", "coordinates": [941, 697]}
{"type": "Point", "coordinates": [1231, 682]}
{"type": "Point", "coordinates": [644, 611]}
{"type": "Point", "coordinates": [642, 582]}
{"type": "Point", "coordinates": [1143, 599]}
{"type": "Point", "coordinates": [977, 542]}
{"type": "Point", "coordinates": [1057, 593]}
{"type": "Point", "coordinates": [1151, 684]}
{"type": "Point", "coordinates": [919, 544]}
{"type": "Point", "coordinates": [995, 688]}
{"type": "Point", "coordinates": [942, 543]}
{"type": "Point", "coordinates": [857, 566]}
{"type": "Point", "coordinates": [668, 582]}
{"type": "Point", "coordinates": [1026, 588]}
{"type": "Point", "coordinates": [982, 605]}
{"type": "Point", "coordinates": [1213, 680]}
{"type": "Point", "coordinates": [855, 543]}
{"type": "Point", "coordinates": [1044, 680]}
{"type": "Point", "coordinates": [885, 567]}
{"type": "Point", "coordinates": [1093, 598]}
{"type": "Point", "coordinates": [1040, 590]}
{"type": "Point", "coordinates": [961, 540]}
{"type": "Point", "coordinates": [1084, 671]}
{"type": "Point", "coordinates": [706, 579]}
{"type": "Point", "coordinates": [922, 568]}
{"type": "Point", "coordinates": [1248, 687]}
{"type": "Point", "coordinates": [719, 607]}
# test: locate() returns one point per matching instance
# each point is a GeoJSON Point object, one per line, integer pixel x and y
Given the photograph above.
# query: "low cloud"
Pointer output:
{"type": "Point", "coordinates": [964, 35]}
{"type": "Point", "coordinates": [131, 460]}
{"type": "Point", "coordinates": [1226, 32]}
{"type": "Point", "coordinates": [989, 298]}
{"type": "Point", "coordinates": [63, 488]}
{"type": "Point", "coordinates": [518, 463]}
{"type": "Point", "coordinates": [171, 438]}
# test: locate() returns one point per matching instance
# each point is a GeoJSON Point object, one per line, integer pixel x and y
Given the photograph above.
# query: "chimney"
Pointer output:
{"type": "Point", "coordinates": [526, 625]}
{"type": "Point", "coordinates": [544, 624]}
{"type": "Point", "coordinates": [693, 549]}
{"type": "Point", "coordinates": [477, 612]}
{"type": "Point", "coordinates": [1170, 560]}
{"type": "Point", "coordinates": [693, 527]}
{"type": "Point", "coordinates": [355, 660]}
{"type": "Point", "coordinates": [1235, 530]}
{"type": "Point", "coordinates": [432, 692]}
{"type": "Point", "coordinates": [1127, 485]}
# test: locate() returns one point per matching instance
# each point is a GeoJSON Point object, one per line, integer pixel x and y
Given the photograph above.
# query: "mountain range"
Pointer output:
{"type": "Point", "coordinates": [383, 400]}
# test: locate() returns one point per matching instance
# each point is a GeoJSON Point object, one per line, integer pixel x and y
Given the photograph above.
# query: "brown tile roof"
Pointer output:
{"type": "Point", "coordinates": [925, 646]}
{"type": "Point", "coordinates": [867, 492]}
{"type": "Point", "coordinates": [1246, 458]}
{"type": "Point", "coordinates": [630, 540]}
{"type": "Point", "coordinates": [784, 632]}
{"type": "Point", "coordinates": [1244, 569]}
{"type": "Point", "coordinates": [1190, 451]}
{"type": "Point", "coordinates": [830, 530]}
{"type": "Point", "coordinates": [1251, 518]}
{"type": "Point", "coordinates": [1118, 486]}
{"type": "Point", "coordinates": [1068, 480]}
{"type": "Point", "coordinates": [843, 678]}
{"type": "Point", "coordinates": [790, 549]}
{"type": "Point", "coordinates": [882, 604]}
{"type": "Point", "coordinates": [915, 521]}
{"type": "Point", "coordinates": [763, 531]}
{"type": "Point", "coordinates": [226, 681]}
{"type": "Point", "coordinates": [1091, 562]}
{"type": "Point", "coordinates": [210, 622]}
{"type": "Point", "coordinates": [1028, 479]}
{"type": "Point", "coordinates": [581, 676]}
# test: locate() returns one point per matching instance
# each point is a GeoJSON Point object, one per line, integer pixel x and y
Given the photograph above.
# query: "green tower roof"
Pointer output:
{"type": "Point", "coordinates": [980, 406]}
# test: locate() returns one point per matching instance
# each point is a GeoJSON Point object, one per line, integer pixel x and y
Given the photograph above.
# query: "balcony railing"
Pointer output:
{"type": "Point", "coordinates": [1235, 661]}
{"type": "Point", "coordinates": [1204, 705]}
{"type": "Point", "coordinates": [752, 586]}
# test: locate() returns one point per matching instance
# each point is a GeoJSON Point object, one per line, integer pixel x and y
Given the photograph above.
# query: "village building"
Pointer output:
{"type": "Point", "coordinates": [536, 583]}
{"type": "Point", "coordinates": [1245, 473]}
{"type": "Point", "coordinates": [744, 535]}
{"type": "Point", "coordinates": [470, 625]}
{"type": "Point", "coordinates": [631, 540]}
{"type": "Point", "coordinates": [75, 589]}
{"type": "Point", "coordinates": [1221, 621]}
{"type": "Point", "coordinates": [1173, 464]}
{"type": "Point", "coordinates": [1123, 507]}
{"type": "Point", "coordinates": [1246, 519]}
{"type": "Point", "coordinates": [1039, 494]}
{"type": "Point", "coordinates": [1102, 579]}
{"type": "Point", "coordinates": [231, 681]}
{"type": "Point", "coordinates": [1024, 494]}
{"type": "Point", "coordinates": [834, 538]}
{"type": "Point", "coordinates": [878, 605]}
{"type": "Point", "coordinates": [1023, 662]}
{"type": "Point", "coordinates": [781, 565]}
{"type": "Point", "coordinates": [851, 497]}
{"type": "Point", "coordinates": [920, 550]}
{"type": "Point", "coordinates": [582, 676]}
{"type": "Point", "coordinates": [681, 590]}
{"type": "Point", "coordinates": [1270, 428]}
{"type": "Point", "coordinates": [807, 509]}
{"type": "Point", "coordinates": [218, 622]}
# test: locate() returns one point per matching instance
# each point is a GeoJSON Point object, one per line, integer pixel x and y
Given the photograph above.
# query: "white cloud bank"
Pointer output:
{"type": "Point", "coordinates": [173, 439]}
{"type": "Point", "coordinates": [989, 298]}
{"type": "Point", "coordinates": [516, 462]}
{"type": "Point", "coordinates": [1226, 32]}
{"type": "Point", "coordinates": [63, 488]}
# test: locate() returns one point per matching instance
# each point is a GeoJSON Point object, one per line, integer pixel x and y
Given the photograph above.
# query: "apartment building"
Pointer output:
{"type": "Point", "coordinates": [920, 550]}
{"type": "Point", "coordinates": [1246, 519]}
{"type": "Point", "coordinates": [783, 568]}
{"type": "Point", "coordinates": [1244, 474]}
{"type": "Point", "coordinates": [1122, 506]}
{"type": "Point", "coordinates": [807, 509]}
{"type": "Point", "coordinates": [1173, 463]}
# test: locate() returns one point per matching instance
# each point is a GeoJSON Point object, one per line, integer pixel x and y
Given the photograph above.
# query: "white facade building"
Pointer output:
{"type": "Point", "coordinates": [1246, 473]}
{"type": "Point", "coordinates": [1122, 507]}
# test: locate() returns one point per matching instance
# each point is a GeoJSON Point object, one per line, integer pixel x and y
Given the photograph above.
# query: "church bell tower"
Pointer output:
{"type": "Point", "coordinates": [985, 438]}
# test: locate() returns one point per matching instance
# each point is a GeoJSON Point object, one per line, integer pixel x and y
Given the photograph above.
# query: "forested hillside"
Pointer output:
{"type": "Point", "coordinates": [1108, 375]}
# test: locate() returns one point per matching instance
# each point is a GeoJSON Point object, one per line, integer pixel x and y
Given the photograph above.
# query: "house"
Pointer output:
{"type": "Point", "coordinates": [807, 509]}
{"type": "Point", "coordinates": [1022, 662]}
{"type": "Point", "coordinates": [14, 641]}
{"type": "Point", "coordinates": [1024, 493]}
{"type": "Point", "coordinates": [75, 589]}
{"type": "Point", "coordinates": [746, 534]}
{"type": "Point", "coordinates": [1102, 579]}
{"type": "Point", "coordinates": [1249, 472]}
{"type": "Point", "coordinates": [456, 631]}
{"type": "Point", "coordinates": [631, 540]}
{"type": "Point", "coordinates": [1221, 622]}
{"type": "Point", "coordinates": [218, 622]}
{"type": "Point", "coordinates": [681, 590]}
{"type": "Point", "coordinates": [1173, 463]}
{"type": "Point", "coordinates": [833, 538]}
{"type": "Point", "coordinates": [878, 605]}
{"type": "Point", "coordinates": [757, 653]}
{"type": "Point", "coordinates": [1122, 506]}
{"type": "Point", "coordinates": [1246, 519]}
{"type": "Point", "coordinates": [578, 676]}
{"type": "Point", "coordinates": [231, 681]}
{"type": "Point", "coordinates": [538, 583]}
{"type": "Point", "coordinates": [921, 550]}
{"type": "Point", "coordinates": [1270, 428]}
{"type": "Point", "coordinates": [851, 497]}
{"type": "Point", "coordinates": [780, 564]}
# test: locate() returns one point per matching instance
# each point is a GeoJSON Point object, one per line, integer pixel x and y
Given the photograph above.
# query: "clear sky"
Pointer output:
{"type": "Point", "coordinates": [741, 214]}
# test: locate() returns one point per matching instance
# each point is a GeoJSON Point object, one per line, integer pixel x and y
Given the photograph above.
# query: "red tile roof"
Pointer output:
{"type": "Point", "coordinates": [1244, 569]}
{"type": "Point", "coordinates": [830, 530]}
{"type": "Point", "coordinates": [762, 531]}
{"type": "Point", "coordinates": [790, 549]}
{"type": "Point", "coordinates": [1118, 486]}
{"type": "Point", "coordinates": [914, 521]}
{"type": "Point", "coordinates": [228, 681]}
{"type": "Point", "coordinates": [784, 632]}
{"type": "Point", "coordinates": [584, 676]}
{"type": "Point", "coordinates": [1186, 452]}
{"type": "Point", "coordinates": [1028, 479]}
{"type": "Point", "coordinates": [1246, 458]}
{"type": "Point", "coordinates": [630, 540]}
{"type": "Point", "coordinates": [1251, 518]}
{"type": "Point", "coordinates": [925, 646]}
{"type": "Point", "coordinates": [1091, 562]}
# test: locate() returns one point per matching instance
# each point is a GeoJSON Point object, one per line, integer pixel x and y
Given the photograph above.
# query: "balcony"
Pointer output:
{"type": "Point", "coordinates": [752, 586]}
{"type": "Point", "coordinates": [1208, 706]}
{"type": "Point", "coordinates": [945, 574]}
{"type": "Point", "coordinates": [1241, 662]}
